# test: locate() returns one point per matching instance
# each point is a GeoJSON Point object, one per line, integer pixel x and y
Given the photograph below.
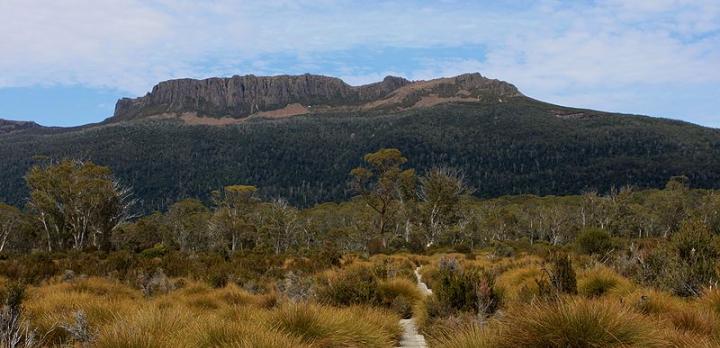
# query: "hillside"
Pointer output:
{"type": "Point", "coordinates": [506, 143]}
{"type": "Point", "coordinates": [7, 126]}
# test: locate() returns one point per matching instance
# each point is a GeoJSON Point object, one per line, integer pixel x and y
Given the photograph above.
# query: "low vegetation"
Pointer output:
{"type": "Point", "coordinates": [625, 269]}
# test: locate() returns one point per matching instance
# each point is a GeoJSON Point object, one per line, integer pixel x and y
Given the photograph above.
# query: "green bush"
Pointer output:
{"type": "Point", "coordinates": [562, 276]}
{"type": "Point", "coordinates": [594, 241]}
{"type": "Point", "coordinates": [503, 250]}
{"type": "Point", "coordinates": [466, 290]}
{"type": "Point", "coordinates": [355, 284]}
{"type": "Point", "coordinates": [685, 265]}
{"type": "Point", "coordinates": [158, 250]}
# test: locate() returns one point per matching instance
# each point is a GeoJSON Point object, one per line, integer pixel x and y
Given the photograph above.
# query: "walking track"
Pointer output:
{"type": "Point", "coordinates": [411, 338]}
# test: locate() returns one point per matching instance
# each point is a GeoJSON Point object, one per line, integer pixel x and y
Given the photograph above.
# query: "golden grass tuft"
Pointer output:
{"type": "Point", "coordinates": [147, 327]}
{"type": "Point", "coordinates": [218, 334]}
{"type": "Point", "coordinates": [519, 284]}
{"type": "Point", "coordinates": [332, 327]}
{"type": "Point", "coordinates": [101, 300]}
{"type": "Point", "coordinates": [472, 336]}
{"type": "Point", "coordinates": [600, 280]}
{"type": "Point", "coordinates": [577, 323]}
{"type": "Point", "coordinates": [199, 316]}
{"type": "Point", "coordinates": [711, 299]}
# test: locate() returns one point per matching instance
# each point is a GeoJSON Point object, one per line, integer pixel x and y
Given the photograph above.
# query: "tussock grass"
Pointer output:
{"type": "Point", "coordinates": [472, 336]}
{"type": "Point", "coordinates": [393, 266]}
{"type": "Point", "coordinates": [578, 323]}
{"type": "Point", "coordinates": [147, 327]}
{"type": "Point", "coordinates": [571, 322]}
{"type": "Point", "coordinates": [519, 284]}
{"type": "Point", "coordinates": [101, 300]}
{"type": "Point", "coordinates": [332, 327]}
{"type": "Point", "coordinates": [239, 334]}
{"type": "Point", "coordinates": [651, 301]}
{"type": "Point", "coordinates": [399, 295]}
{"type": "Point", "coordinates": [711, 300]}
{"type": "Point", "coordinates": [600, 281]}
{"type": "Point", "coordinates": [200, 316]}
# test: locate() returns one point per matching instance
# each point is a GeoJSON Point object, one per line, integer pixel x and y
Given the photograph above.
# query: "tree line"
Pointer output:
{"type": "Point", "coordinates": [508, 148]}
{"type": "Point", "coordinates": [79, 205]}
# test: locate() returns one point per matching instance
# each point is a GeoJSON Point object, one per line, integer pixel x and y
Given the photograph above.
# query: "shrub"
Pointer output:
{"type": "Point", "coordinates": [594, 241]}
{"type": "Point", "coordinates": [156, 284]}
{"type": "Point", "coordinates": [465, 290]}
{"type": "Point", "coordinates": [296, 287]}
{"type": "Point", "coordinates": [12, 332]}
{"type": "Point", "coordinates": [687, 264]}
{"type": "Point", "coordinates": [503, 250]}
{"type": "Point", "coordinates": [218, 278]}
{"type": "Point", "coordinates": [697, 250]}
{"type": "Point", "coordinates": [387, 267]}
{"type": "Point", "coordinates": [158, 250]}
{"type": "Point", "coordinates": [562, 276]}
{"type": "Point", "coordinates": [355, 284]}
{"type": "Point", "coordinates": [462, 248]}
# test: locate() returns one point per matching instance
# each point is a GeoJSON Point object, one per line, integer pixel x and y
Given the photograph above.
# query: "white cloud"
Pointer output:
{"type": "Point", "coordinates": [569, 51]}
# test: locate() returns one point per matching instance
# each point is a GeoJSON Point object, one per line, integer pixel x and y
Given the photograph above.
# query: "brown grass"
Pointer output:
{"type": "Point", "coordinates": [200, 316]}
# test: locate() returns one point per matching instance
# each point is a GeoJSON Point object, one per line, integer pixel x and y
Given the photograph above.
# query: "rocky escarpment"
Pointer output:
{"type": "Point", "coordinates": [242, 96]}
{"type": "Point", "coordinates": [7, 126]}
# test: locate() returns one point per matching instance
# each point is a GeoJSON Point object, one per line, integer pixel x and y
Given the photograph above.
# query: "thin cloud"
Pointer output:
{"type": "Point", "coordinates": [565, 50]}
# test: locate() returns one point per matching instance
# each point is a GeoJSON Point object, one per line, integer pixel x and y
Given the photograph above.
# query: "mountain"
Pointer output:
{"type": "Point", "coordinates": [8, 126]}
{"type": "Point", "coordinates": [299, 136]}
{"type": "Point", "coordinates": [245, 96]}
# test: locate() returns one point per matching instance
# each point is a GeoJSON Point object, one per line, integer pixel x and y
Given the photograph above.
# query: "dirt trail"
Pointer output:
{"type": "Point", "coordinates": [411, 338]}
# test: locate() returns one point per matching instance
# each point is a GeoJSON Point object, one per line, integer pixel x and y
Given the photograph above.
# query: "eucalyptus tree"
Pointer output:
{"type": "Point", "coordinates": [383, 184]}
{"type": "Point", "coordinates": [188, 223]}
{"type": "Point", "coordinates": [10, 220]}
{"type": "Point", "coordinates": [442, 191]}
{"type": "Point", "coordinates": [233, 223]}
{"type": "Point", "coordinates": [77, 203]}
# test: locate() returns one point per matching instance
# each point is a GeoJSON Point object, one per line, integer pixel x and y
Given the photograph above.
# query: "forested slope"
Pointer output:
{"type": "Point", "coordinates": [522, 146]}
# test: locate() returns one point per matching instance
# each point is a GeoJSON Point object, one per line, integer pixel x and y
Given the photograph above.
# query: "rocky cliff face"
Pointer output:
{"type": "Point", "coordinates": [241, 96]}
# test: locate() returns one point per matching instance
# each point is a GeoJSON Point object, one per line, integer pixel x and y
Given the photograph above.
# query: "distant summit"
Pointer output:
{"type": "Point", "coordinates": [239, 97]}
{"type": "Point", "coordinates": [7, 126]}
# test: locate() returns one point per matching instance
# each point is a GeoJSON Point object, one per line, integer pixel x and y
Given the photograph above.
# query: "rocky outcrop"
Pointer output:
{"type": "Point", "coordinates": [7, 126]}
{"type": "Point", "coordinates": [242, 96]}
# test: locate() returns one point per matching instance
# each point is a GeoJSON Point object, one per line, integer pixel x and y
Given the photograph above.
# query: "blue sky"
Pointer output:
{"type": "Point", "coordinates": [66, 62]}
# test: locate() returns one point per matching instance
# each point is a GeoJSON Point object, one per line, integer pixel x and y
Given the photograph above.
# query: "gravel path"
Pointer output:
{"type": "Point", "coordinates": [411, 338]}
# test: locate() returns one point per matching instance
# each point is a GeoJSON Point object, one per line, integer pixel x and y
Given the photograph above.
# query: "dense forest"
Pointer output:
{"type": "Point", "coordinates": [519, 147]}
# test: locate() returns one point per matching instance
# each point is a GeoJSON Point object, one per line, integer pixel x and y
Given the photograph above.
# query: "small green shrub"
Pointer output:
{"type": "Point", "coordinates": [158, 250]}
{"type": "Point", "coordinates": [685, 265]}
{"type": "Point", "coordinates": [563, 277]}
{"type": "Point", "coordinates": [465, 289]}
{"type": "Point", "coordinates": [594, 241]}
{"type": "Point", "coordinates": [355, 284]}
